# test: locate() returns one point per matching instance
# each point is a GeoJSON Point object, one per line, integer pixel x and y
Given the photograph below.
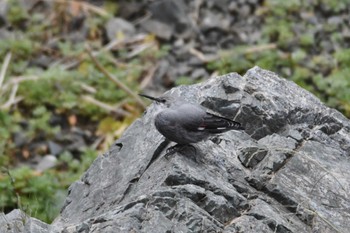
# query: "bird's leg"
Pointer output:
{"type": "Point", "coordinates": [178, 148]}
{"type": "Point", "coordinates": [172, 150]}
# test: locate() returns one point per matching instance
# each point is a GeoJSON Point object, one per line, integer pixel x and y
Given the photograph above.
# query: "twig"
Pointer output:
{"type": "Point", "coordinates": [114, 43]}
{"type": "Point", "coordinates": [139, 49]}
{"type": "Point", "coordinates": [88, 88]}
{"type": "Point", "coordinates": [259, 48]}
{"type": "Point", "coordinates": [12, 181]}
{"type": "Point", "coordinates": [97, 142]}
{"type": "Point", "coordinates": [147, 16]}
{"type": "Point", "coordinates": [4, 67]}
{"type": "Point", "coordinates": [120, 64]}
{"type": "Point", "coordinates": [84, 56]}
{"type": "Point", "coordinates": [110, 46]}
{"type": "Point", "coordinates": [114, 79]}
{"type": "Point", "coordinates": [88, 6]}
{"type": "Point", "coordinates": [18, 80]}
{"type": "Point", "coordinates": [197, 6]}
{"type": "Point", "coordinates": [201, 56]}
{"type": "Point", "coordinates": [105, 106]}
{"type": "Point", "coordinates": [148, 78]}
{"type": "Point", "coordinates": [328, 172]}
{"type": "Point", "coordinates": [209, 58]}
{"type": "Point", "coordinates": [121, 42]}
{"type": "Point", "coordinates": [214, 74]}
{"type": "Point", "coordinates": [12, 100]}
{"type": "Point", "coordinates": [324, 219]}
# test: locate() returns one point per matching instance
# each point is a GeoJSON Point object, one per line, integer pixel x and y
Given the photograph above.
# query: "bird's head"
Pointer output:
{"type": "Point", "coordinates": [165, 100]}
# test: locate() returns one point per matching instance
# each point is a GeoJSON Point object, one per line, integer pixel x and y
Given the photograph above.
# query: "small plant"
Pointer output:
{"type": "Point", "coordinates": [41, 195]}
{"type": "Point", "coordinates": [30, 191]}
{"type": "Point", "coordinates": [57, 89]}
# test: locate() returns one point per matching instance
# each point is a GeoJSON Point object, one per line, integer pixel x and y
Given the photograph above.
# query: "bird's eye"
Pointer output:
{"type": "Point", "coordinates": [162, 100]}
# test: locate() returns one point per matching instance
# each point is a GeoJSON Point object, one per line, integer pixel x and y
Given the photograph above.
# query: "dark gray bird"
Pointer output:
{"type": "Point", "coordinates": [186, 123]}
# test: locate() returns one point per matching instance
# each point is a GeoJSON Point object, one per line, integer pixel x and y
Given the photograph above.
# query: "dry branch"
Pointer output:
{"type": "Point", "coordinates": [115, 79]}
{"type": "Point", "coordinates": [148, 78]}
{"type": "Point", "coordinates": [4, 67]}
{"type": "Point", "coordinates": [87, 6]}
{"type": "Point", "coordinates": [109, 108]}
{"type": "Point", "coordinates": [260, 48]}
{"type": "Point", "coordinates": [12, 100]}
{"type": "Point", "coordinates": [17, 80]}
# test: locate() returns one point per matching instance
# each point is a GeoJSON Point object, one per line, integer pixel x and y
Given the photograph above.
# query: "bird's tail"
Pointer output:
{"type": "Point", "coordinates": [217, 124]}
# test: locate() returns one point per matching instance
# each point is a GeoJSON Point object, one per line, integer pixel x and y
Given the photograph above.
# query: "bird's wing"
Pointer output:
{"type": "Point", "coordinates": [217, 124]}
{"type": "Point", "coordinates": [197, 119]}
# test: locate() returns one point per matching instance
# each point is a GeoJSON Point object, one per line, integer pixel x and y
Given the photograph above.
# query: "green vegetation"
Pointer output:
{"type": "Point", "coordinates": [41, 194]}
{"type": "Point", "coordinates": [61, 89]}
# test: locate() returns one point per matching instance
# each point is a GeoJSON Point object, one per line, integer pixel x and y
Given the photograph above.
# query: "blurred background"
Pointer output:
{"type": "Point", "coordinates": [71, 70]}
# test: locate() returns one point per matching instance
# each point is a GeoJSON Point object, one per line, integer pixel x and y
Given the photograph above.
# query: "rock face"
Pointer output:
{"type": "Point", "coordinates": [18, 221]}
{"type": "Point", "coordinates": [287, 172]}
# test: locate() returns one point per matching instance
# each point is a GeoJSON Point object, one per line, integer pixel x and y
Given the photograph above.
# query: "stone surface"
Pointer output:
{"type": "Point", "coordinates": [287, 172]}
{"type": "Point", "coordinates": [3, 11]}
{"type": "Point", "coordinates": [168, 18]}
{"type": "Point", "coordinates": [18, 221]}
{"type": "Point", "coordinates": [118, 27]}
{"type": "Point", "coordinates": [296, 180]}
{"type": "Point", "coordinates": [47, 162]}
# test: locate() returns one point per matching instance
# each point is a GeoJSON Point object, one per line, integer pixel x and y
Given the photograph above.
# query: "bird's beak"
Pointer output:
{"type": "Point", "coordinates": [151, 98]}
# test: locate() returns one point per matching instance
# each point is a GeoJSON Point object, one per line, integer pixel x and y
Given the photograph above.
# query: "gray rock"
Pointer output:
{"type": "Point", "coordinates": [3, 12]}
{"type": "Point", "coordinates": [28, 4]}
{"type": "Point", "coordinates": [159, 29]}
{"type": "Point", "coordinates": [215, 21]}
{"type": "Point", "coordinates": [199, 73]}
{"type": "Point", "coordinates": [6, 34]}
{"type": "Point", "coordinates": [47, 162]}
{"type": "Point", "coordinates": [17, 221]}
{"type": "Point", "coordinates": [251, 156]}
{"type": "Point", "coordinates": [168, 18]}
{"type": "Point", "coordinates": [248, 224]}
{"type": "Point", "coordinates": [117, 26]}
{"type": "Point", "coordinates": [54, 148]}
{"type": "Point", "coordinates": [20, 139]}
{"type": "Point", "coordinates": [298, 183]}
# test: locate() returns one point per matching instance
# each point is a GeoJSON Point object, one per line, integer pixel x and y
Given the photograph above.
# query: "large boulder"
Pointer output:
{"type": "Point", "coordinates": [287, 172]}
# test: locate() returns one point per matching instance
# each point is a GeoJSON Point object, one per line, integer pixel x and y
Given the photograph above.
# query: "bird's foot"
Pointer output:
{"type": "Point", "coordinates": [179, 148]}
{"type": "Point", "coordinates": [172, 150]}
{"type": "Point", "coordinates": [216, 139]}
